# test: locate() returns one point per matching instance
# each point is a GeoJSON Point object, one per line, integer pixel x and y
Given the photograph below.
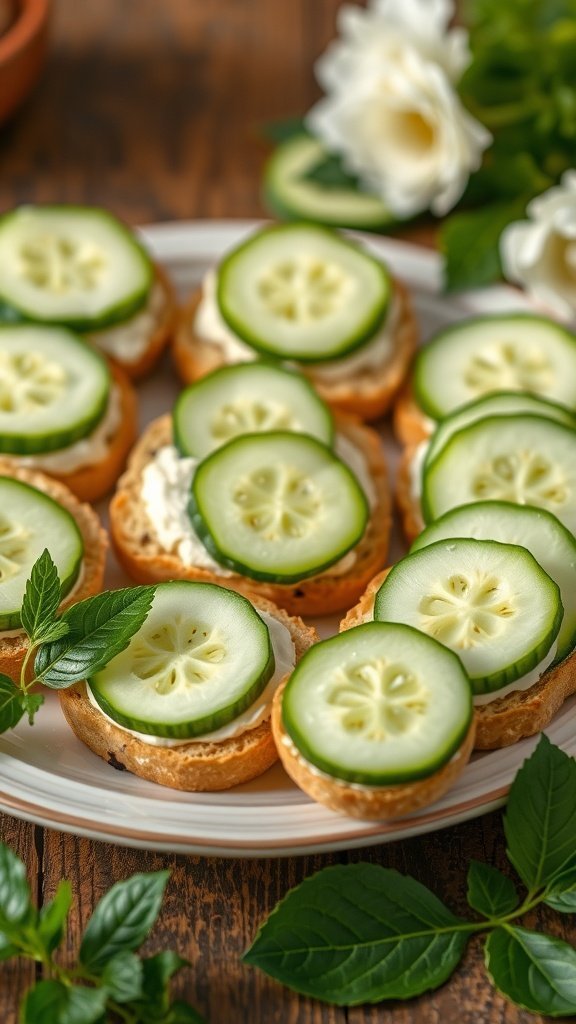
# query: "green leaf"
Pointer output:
{"type": "Point", "coordinates": [281, 131]}
{"type": "Point", "coordinates": [561, 894]}
{"type": "Point", "coordinates": [539, 818]}
{"type": "Point", "coordinates": [123, 976]}
{"type": "Point", "coordinates": [50, 1002]}
{"type": "Point", "coordinates": [123, 918]}
{"type": "Point", "coordinates": [100, 628]}
{"type": "Point", "coordinates": [183, 1013]}
{"type": "Point", "coordinates": [359, 934]}
{"type": "Point", "coordinates": [41, 597]}
{"type": "Point", "coordinates": [31, 703]}
{"type": "Point", "coordinates": [7, 950]}
{"type": "Point", "coordinates": [470, 243]}
{"type": "Point", "coordinates": [52, 917]}
{"type": "Point", "coordinates": [535, 971]}
{"type": "Point", "coordinates": [329, 172]}
{"type": "Point", "coordinates": [14, 890]}
{"type": "Point", "coordinates": [489, 891]}
{"type": "Point", "coordinates": [11, 709]}
{"type": "Point", "coordinates": [158, 970]}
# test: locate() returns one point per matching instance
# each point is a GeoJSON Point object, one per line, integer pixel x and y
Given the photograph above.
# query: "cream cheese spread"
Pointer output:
{"type": "Point", "coordinates": [127, 341]}
{"type": "Point", "coordinates": [88, 450]}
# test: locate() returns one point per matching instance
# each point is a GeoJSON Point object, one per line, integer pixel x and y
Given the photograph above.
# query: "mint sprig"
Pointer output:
{"type": "Point", "coordinates": [360, 933]}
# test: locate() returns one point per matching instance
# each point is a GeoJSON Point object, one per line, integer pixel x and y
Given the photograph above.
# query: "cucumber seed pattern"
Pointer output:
{"type": "Point", "coordinates": [523, 477]}
{"type": "Point", "coordinates": [13, 542]}
{"type": "Point", "coordinates": [59, 265]}
{"type": "Point", "coordinates": [250, 416]}
{"type": "Point", "coordinates": [29, 381]}
{"type": "Point", "coordinates": [303, 289]}
{"type": "Point", "coordinates": [509, 367]}
{"type": "Point", "coordinates": [464, 611]}
{"type": "Point", "coordinates": [177, 654]}
{"type": "Point", "coordinates": [278, 502]}
{"type": "Point", "coordinates": [378, 699]}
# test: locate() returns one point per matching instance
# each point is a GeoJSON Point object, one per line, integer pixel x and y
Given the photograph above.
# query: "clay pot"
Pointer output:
{"type": "Point", "coordinates": [22, 51]}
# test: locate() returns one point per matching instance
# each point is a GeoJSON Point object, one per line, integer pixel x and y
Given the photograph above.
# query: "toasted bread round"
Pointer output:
{"type": "Point", "coordinates": [507, 719]}
{"type": "Point", "coordinates": [411, 425]}
{"type": "Point", "coordinates": [408, 506]}
{"type": "Point", "coordinates": [367, 394]}
{"type": "Point", "coordinates": [195, 767]}
{"type": "Point", "coordinates": [13, 648]}
{"type": "Point", "coordinates": [373, 803]}
{"type": "Point", "coordinates": [146, 561]}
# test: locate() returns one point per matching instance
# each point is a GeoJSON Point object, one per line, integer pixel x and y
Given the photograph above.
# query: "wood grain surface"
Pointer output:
{"type": "Point", "coordinates": [153, 109]}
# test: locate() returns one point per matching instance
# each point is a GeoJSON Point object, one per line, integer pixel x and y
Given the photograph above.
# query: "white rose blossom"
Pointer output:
{"type": "Point", "coordinates": [391, 110]}
{"type": "Point", "coordinates": [540, 253]}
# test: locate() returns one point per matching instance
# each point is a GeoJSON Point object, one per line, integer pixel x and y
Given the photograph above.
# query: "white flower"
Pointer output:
{"type": "Point", "coordinates": [391, 109]}
{"type": "Point", "coordinates": [540, 253]}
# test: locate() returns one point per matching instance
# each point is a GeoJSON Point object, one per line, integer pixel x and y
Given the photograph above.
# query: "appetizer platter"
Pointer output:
{"type": "Point", "coordinates": [47, 776]}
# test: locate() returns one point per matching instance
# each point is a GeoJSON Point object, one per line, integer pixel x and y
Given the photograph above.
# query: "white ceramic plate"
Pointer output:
{"type": "Point", "coordinates": [49, 777]}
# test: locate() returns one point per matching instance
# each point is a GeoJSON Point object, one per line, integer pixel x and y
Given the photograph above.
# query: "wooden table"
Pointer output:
{"type": "Point", "coordinates": [153, 109]}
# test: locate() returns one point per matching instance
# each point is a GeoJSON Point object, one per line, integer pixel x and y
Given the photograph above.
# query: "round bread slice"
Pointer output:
{"type": "Point", "coordinates": [194, 767]}
{"type": "Point", "coordinates": [507, 719]}
{"type": "Point", "coordinates": [13, 648]}
{"type": "Point", "coordinates": [367, 394]}
{"type": "Point", "coordinates": [411, 425]}
{"type": "Point", "coordinates": [146, 561]}
{"type": "Point", "coordinates": [372, 803]}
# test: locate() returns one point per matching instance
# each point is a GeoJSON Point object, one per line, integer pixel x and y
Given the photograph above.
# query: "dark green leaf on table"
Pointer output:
{"type": "Point", "coordinates": [52, 917]}
{"type": "Point", "coordinates": [11, 708]}
{"type": "Point", "coordinates": [14, 890]}
{"type": "Point", "coordinates": [489, 891]}
{"type": "Point", "coordinates": [561, 894]}
{"type": "Point", "coordinates": [538, 972]}
{"type": "Point", "coordinates": [41, 597]}
{"type": "Point", "coordinates": [123, 977]}
{"type": "Point", "coordinates": [123, 918]}
{"type": "Point", "coordinates": [330, 172]}
{"type": "Point", "coordinates": [51, 1002]}
{"type": "Point", "coordinates": [158, 970]}
{"type": "Point", "coordinates": [470, 244]}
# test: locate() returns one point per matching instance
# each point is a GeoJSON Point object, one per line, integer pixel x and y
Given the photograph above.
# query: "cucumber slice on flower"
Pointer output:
{"type": "Point", "coordinates": [292, 196]}
{"type": "Point", "coordinates": [245, 399]}
{"type": "Point", "coordinates": [277, 506]}
{"type": "Point", "coordinates": [202, 657]}
{"type": "Point", "coordinates": [54, 389]}
{"type": "Point", "coordinates": [380, 704]}
{"type": "Point", "coordinates": [541, 533]}
{"type": "Point", "coordinates": [511, 352]}
{"type": "Point", "coordinates": [492, 604]}
{"type": "Point", "coordinates": [527, 460]}
{"type": "Point", "coordinates": [73, 265]}
{"type": "Point", "coordinates": [300, 291]}
{"type": "Point", "coordinates": [30, 521]}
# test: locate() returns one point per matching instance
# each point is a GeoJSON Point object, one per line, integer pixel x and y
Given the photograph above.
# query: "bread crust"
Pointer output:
{"type": "Point", "coordinates": [371, 803]}
{"type": "Point", "coordinates": [13, 649]}
{"type": "Point", "coordinates": [410, 423]}
{"type": "Point", "coordinates": [368, 394]}
{"type": "Point", "coordinates": [194, 767]}
{"type": "Point", "coordinates": [410, 511]}
{"type": "Point", "coordinates": [146, 562]}
{"type": "Point", "coordinates": [507, 719]}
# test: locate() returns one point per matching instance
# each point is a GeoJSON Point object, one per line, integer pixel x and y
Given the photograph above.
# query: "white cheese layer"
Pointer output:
{"type": "Point", "coordinates": [128, 340]}
{"type": "Point", "coordinates": [88, 450]}
{"type": "Point", "coordinates": [258, 712]}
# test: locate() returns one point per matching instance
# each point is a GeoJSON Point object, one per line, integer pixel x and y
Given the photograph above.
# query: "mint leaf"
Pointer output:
{"type": "Point", "coordinates": [330, 173]}
{"type": "Point", "coordinates": [100, 628]}
{"type": "Point", "coordinates": [11, 709]}
{"type": "Point", "coordinates": [41, 597]}
{"type": "Point", "coordinates": [535, 971]}
{"type": "Point", "coordinates": [123, 976]}
{"type": "Point", "coordinates": [281, 131]}
{"type": "Point", "coordinates": [539, 817]}
{"type": "Point", "coordinates": [561, 894]}
{"type": "Point", "coordinates": [489, 891]}
{"type": "Point", "coordinates": [14, 890]}
{"type": "Point", "coordinates": [31, 703]}
{"type": "Point", "coordinates": [123, 918]}
{"type": "Point", "coordinates": [158, 970]}
{"type": "Point", "coordinates": [52, 917]}
{"type": "Point", "coordinates": [51, 1002]}
{"type": "Point", "coordinates": [470, 243]}
{"type": "Point", "coordinates": [359, 934]}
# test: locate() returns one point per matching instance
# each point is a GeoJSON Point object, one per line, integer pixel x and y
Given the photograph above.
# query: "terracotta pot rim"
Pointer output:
{"type": "Point", "coordinates": [29, 20]}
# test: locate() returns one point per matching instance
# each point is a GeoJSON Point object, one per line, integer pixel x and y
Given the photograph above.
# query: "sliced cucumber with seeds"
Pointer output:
{"type": "Point", "coordinates": [292, 196]}
{"type": "Point", "coordinates": [525, 459]}
{"type": "Point", "coordinates": [490, 603]}
{"type": "Point", "coordinates": [245, 399]}
{"type": "Point", "coordinates": [298, 291]}
{"type": "Point", "coordinates": [508, 403]}
{"type": "Point", "coordinates": [73, 265]}
{"type": "Point", "coordinates": [202, 658]}
{"type": "Point", "coordinates": [511, 352]}
{"type": "Point", "coordinates": [279, 507]}
{"type": "Point", "coordinates": [30, 521]}
{"type": "Point", "coordinates": [54, 389]}
{"type": "Point", "coordinates": [541, 533]}
{"type": "Point", "coordinates": [381, 705]}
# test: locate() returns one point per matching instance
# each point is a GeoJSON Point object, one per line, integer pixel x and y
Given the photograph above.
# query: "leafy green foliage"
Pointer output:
{"type": "Point", "coordinates": [52, 917]}
{"type": "Point", "coordinates": [51, 1002]}
{"type": "Point", "coordinates": [561, 893]}
{"type": "Point", "coordinates": [470, 243]}
{"type": "Point", "coordinates": [123, 976]}
{"type": "Point", "coordinates": [535, 971]}
{"type": "Point", "coordinates": [123, 918]}
{"type": "Point", "coordinates": [14, 890]}
{"type": "Point", "coordinates": [11, 709]}
{"type": "Point", "coordinates": [330, 173]}
{"type": "Point", "coordinates": [41, 598]}
{"type": "Point", "coordinates": [489, 891]}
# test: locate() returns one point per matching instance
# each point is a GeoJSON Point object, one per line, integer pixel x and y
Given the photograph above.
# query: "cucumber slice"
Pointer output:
{"type": "Point", "coordinates": [201, 658]}
{"type": "Point", "coordinates": [30, 521]}
{"type": "Point", "coordinates": [277, 506]}
{"type": "Point", "coordinates": [503, 403]}
{"type": "Point", "coordinates": [73, 265]}
{"type": "Point", "coordinates": [299, 291]}
{"type": "Point", "coordinates": [381, 704]}
{"type": "Point", "coordinates": [525, 459]}
{"type": "Point", "coordinates": [492, 604]}
{"type": "Point", "coordinates": [291, 196]}
{"type": "Point", "coordinates": [541, 533]}
{"type": "Point", "coordinates": [511, 352]}
{"type": "Point", "coordinates": [54, 389]}
{"type": "Point", "coordinates": [248, 398]}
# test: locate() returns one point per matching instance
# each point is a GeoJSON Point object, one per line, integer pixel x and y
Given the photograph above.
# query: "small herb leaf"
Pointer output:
{"type": "Point", "coordinates": [52, 917]}
{"type": "Point", "coordinates": [31, 703]}
{"type": "Point", "coordinates": [123, 918]}
{"type": "Point", "coordinates": [489, 891]}
{"type": "Point", "coordinates": [538, 972]}
{"type": "Point", "coordinates": [14, 889]}
{"type": "Point", "coordinates": [100, 628]}
{"type": "Point", "coordinates": [11, 709]}
{"type": "Point", "coordinates": [359, 933]}
{"type": "Point", "coordinates": [41, 597]}
{"type": "Point", "coordinates": [539, 818]}
{"type": "Point", "coordinates": [561, 894]}
{"type": "Point", "coordinates": [123, 976]}
{"type": "Point", "coordinates": [470, 243]}
{"type": "Point", "coordinates": [51, 1002]}
{"type": "Point", "coordinates": [158, 970]}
